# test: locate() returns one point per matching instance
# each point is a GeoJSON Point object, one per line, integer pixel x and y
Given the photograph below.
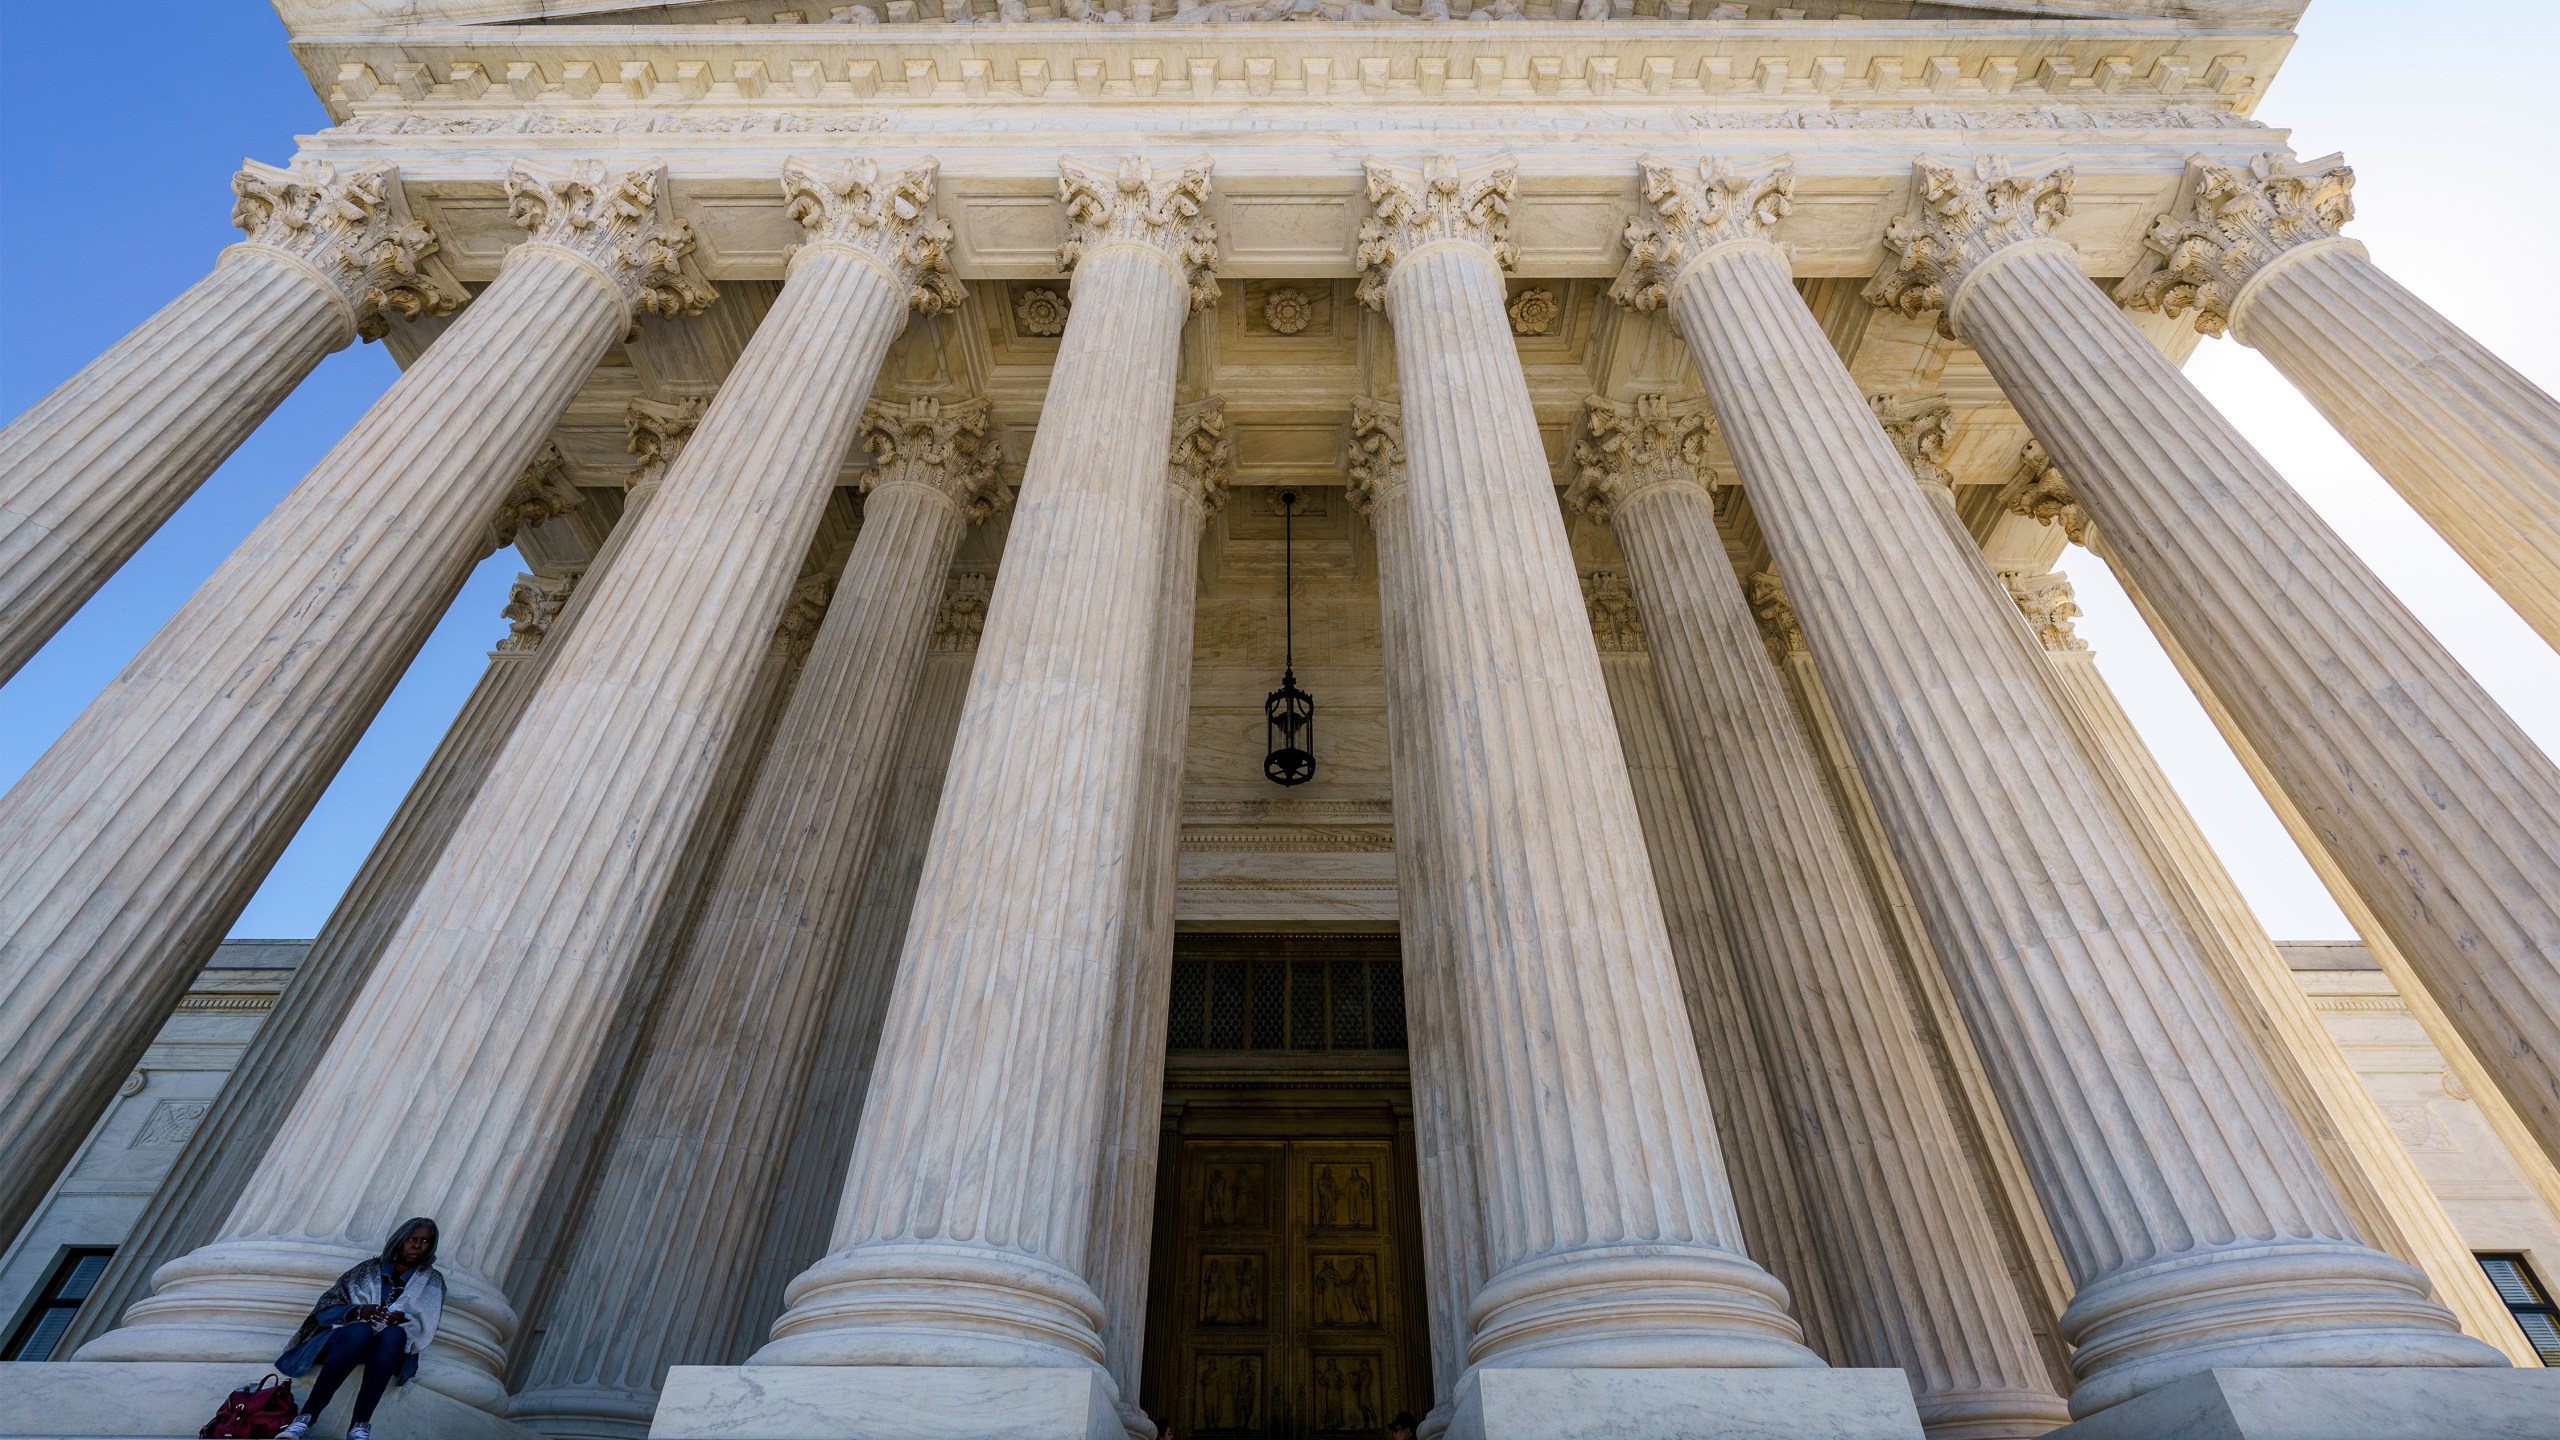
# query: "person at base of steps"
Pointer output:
{"type": "Point", "coordinates": [376, 1318]}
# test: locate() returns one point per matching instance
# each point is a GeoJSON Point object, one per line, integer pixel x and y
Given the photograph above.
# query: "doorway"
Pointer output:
{"type": "Point", "coordinates": [1285, 1299]}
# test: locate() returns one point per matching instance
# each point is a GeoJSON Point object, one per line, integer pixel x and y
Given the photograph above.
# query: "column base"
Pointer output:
{"type": "Point", "coordinates": [2310, 1403]}
{"type": "Point", "coordinates": [171, 1400]}
{"type": "Point", "coordinates": [1695, 1404]}
{"type": "Point", "coordinates": [885, 1402]}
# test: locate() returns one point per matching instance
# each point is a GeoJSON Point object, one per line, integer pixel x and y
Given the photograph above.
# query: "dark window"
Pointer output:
{"type": "Point", "coordinates": [2527, 1301]}
{"type": "Point", "coordinates": [1257, 1004]}
{"type": "Point", "coordinates": [72, 1281]}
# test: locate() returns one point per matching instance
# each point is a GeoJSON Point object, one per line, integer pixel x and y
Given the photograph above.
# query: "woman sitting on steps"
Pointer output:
{"type": "Point", "coordinates": [377, 1316]}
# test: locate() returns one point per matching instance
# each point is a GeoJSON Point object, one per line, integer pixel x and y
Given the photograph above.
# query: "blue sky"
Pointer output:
{"type": "Point", "coordinates": [115, 196]}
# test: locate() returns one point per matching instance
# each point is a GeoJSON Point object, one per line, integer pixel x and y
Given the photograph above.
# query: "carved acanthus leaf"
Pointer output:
{"type": "Point", "coordinates": [622, 222]}
{"type": "Point", "coordinates": [658, 431]}
{"type": "Point", "coordinates": [542, 492]}
{"type": "Point", "coordinates": [1692, 214]}
{"type": "Point", "coordinates": [2046, 602]}
{"type": "Point", "coordinates": [805, 610]}
{"type": "Point", "coordinates": [1203, 456]}
{"type": "Point", "coordinates": [353, 228]}
{"type": "Point", "coordinates": [533, 606]}
{"type": "Point", "coordinates": [1961, 220]}
{"type": "Point", "coordinates": [1615, 626]}
{"type": "Point", "coordinates": [1630, 447]}
{"type": "Point", "coordinates": [2233, 223]}
{"type": "Point", "coordinates": [1376, 460]}
{"type": "Point", "coordinates": [2041, 493]}
{"type": "Point", "coordinates": [1411, 207]}
{"type": "Point", "coordinates": [888, 216]}
{"type": "Point", "coordinates": [1921, 428]}
{"type": "Point", "coordinates": [964, 611]}
{"type": "Point", "coordinates": [945, 445]}
{"type": "Point", "coordinates": [1777, 614]}
{"type": "Point", "coordinates": [1130, 204]}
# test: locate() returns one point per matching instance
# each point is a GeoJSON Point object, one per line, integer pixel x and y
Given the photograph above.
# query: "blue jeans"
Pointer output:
{"type": "Point", "coordinates": [349, 1346]}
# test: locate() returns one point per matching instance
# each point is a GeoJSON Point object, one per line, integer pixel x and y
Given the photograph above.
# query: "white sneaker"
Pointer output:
{"type": "Point", "coordinates": [300, 1427]}
{"type": "Point", "coordinates": [360, 1431]}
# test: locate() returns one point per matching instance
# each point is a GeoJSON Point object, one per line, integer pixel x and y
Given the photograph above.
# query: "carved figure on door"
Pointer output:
{"type": "Point", "coordinates": [1226, 1392]}
{"type": "Point", "coordinates": [1346, 1290]}
{"type": "Point", "coordinates": [1231, 1289]}
{"type": "Point", "coordinates": [1345, 1200]}
{"type": "Point", "coordinates": [1231, 1196]}
{"type": "Point", "coordinates": [1346, 1395]}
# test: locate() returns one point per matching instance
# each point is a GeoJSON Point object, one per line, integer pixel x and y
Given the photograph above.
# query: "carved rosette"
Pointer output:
{"type": "Point", "coordinates": [533, 604]}
{"type": "Point", "coordinates": [2047, 603]}
{"type": "Point", "coordinates": [1921, 428]}
{"type": "Point", "coordinates": [964, 612]}
{"type": "Point", "coordinates": [1202, 460]}
{"type": "Point", "coordinates": [622, 223]}
{"type": "Point", "coordinates": [1441, 200]}
{"type": "Point", "coordinates": [1693, 214]}
{"type": "Point", "coordinates": [1776, 613]}
{"type": "Point", "coordinates": [659, 430]}
{"type": "Point", "coordinates": [1963, 219]}
{"type": "Point", "coordinates": [1615, 626]}
{"type": "Point", "coordinates": [542, 492]}
{"type": "Point", "coordinates": [1631, 447]}
{"type": "Point", "coordinates": [1130, 205]}
{"type": "Point", "coordinates": [887, 216]}
{"type": "Point", "coordinates": [354, 230]}
{"type": "Point", "coordinates": [946, 446]}
{"type": "Point", "coordinates": [2233, 224]}
{"type": "Point", "coordinates": [2041, 493]}
{"type": "Point", "coordinates": [1376, 459]}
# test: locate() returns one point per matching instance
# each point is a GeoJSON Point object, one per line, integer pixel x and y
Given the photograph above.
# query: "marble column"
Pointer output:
{"type": "Point", "coordinates": [1912, 1254]}
{"type": "Point", "coordinates": [822, 1133]}
{"type": "Point", "coordinates": [1611, 1237]}
{"type": "Point", "coordinates": [2199, 1228]}
{"type": "Point", "coordinates": [698, 1147]}
{"type": "Point", "coordinates": [91, 470]}
{"type": "Point", "coordinates": [2443, 811]}
{"type": "Point", "coordinates": [1777, 1220]}
{"type": "Point", "coordinates": [1124, 1188]}
{"type": "Point", "coordinates": [2372, 1170]}
{"type": "Point", "coordinates": [449, 1088]}
{"type": "Point", "coordinates": [2471, 444]}
{"type": "Point", "coordinates": [968, 1207]}
{"type": "Point", "coordinates": [142, 831]}
{"type": "Point", "coordinates": [1444, 1128]}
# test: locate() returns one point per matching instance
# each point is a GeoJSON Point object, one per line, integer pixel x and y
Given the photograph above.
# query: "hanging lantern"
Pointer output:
{"type": "Point", "coordinates": [1289, 716]}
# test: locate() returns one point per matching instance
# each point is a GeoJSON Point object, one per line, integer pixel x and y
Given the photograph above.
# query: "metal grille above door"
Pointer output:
{"type": "Point", "coordinates": [1301, 1002]}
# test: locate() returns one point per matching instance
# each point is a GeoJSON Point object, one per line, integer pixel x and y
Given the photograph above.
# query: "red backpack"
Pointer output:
{"type": "Point", "coordinates": [254, 1412]}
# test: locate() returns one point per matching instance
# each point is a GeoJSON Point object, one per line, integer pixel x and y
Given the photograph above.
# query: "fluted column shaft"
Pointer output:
{"type": "Point", "coordinates": [2444, 813]}
{"type": "Point", "coordinates": [141, 832]}
{"type": "Point", "coordinates": [968, 1202]}
{"type": "Point", "coordinates": [1912, 1253]}
{"type": "Point", "coordinates": [1610, 1230]}
{"type": "Point", "coordinates": [1444, 1128]}
{"type": "Point", "coordinates": [1124, 1209]}
{"type": "Point", "coordinates": [506, 973]}
{"type": "Point", "coordinates": [2198, 1227]}
{"type": "Point", "coordinates": [189, 1206]}
{"type": "Point", "coordinates": [92, 470]}
{"type": "Point", "coordinates": [699, 1146]}
{"type": "Point", "coordinates": [1777, 1220]}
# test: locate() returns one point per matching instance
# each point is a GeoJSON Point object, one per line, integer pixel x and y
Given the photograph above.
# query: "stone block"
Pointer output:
{"type": "Point", "coordinates": [884, 1402]}
{"type": "Point", "coordinates": [1530, 1404]}
{"type": "Point", "coordinates": [72, 1400]}
{"type": "Point", "coordinates": [2394, 1403]}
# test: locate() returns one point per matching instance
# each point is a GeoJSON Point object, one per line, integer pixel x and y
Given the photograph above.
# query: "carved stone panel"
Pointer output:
{"type": "Point", "coordinates": [1231, 1289]}
{"type": "Point", "coordinates": [1226, 1393]}
{"type": "Point", "coordinates": [1346, 1197]}
{"type": "Point", "coordinates": [1343, 1289]}
{"type": "Point", "coordinates": [1348, 1395]}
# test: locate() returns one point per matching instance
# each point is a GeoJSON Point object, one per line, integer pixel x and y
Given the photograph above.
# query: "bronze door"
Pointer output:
{"type": "Point", "coordinates": [1288, 1290]}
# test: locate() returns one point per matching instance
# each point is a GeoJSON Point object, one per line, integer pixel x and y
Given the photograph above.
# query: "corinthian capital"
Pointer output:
{"type": "Point", "coordinates": [2046, 602]}
{"type": "Point", "coordinates": [1129, 205]}
{"type": "Point", "coordinates": [658, 430]}
{"type": "Point", "coordinates": [964, 612]}
{"type": "Point", "coordinates": [1961, 220]}
{"type": "Point", "coordinates": [1632, 447]}
{"type": "Point", "coordinates": [542, 492]}
{"type": "Point", "coordinates": [1376, 461]}
{"type": "Point", "coordinates": [1921, 427]}
{"type": "Point", "coordinates": [889, 217]}
{"type": "Point", "coordinates": [620, 222]}
{"type": "Point", "coordinates": [1777, 614]}
{"type": "Point", "coordinates": [533, 605]}
{"type": "Point", "coordinates": [1615, 626]}
{"type": "Point", "coordinates": [2234, 222]}
{"type": "Point", "coordinates": [1202, 461]}
{"type": "Point", "coordinates": [942, 445]}
{"type": "Point", "coordinates": [1411, 207]}
{"type": "Point", "coordinates": [1693, 214]}
{"type": "Point", "coordinates": [353, 230]}
{"type": "Point", "coordinates": [2040, 493]}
